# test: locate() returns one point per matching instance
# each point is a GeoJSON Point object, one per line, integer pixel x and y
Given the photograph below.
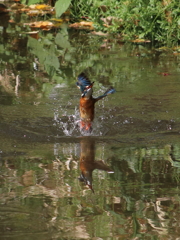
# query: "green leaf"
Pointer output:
{"type": "Point", "coordinates": [47, 57]}
{"type": "Point", "coordinates": [62, 41]}
{"type": "Point", "coordinates": [141, 35]}
{"type": "Point", "coordinates": [61, 6]}
{"type": "Point", "coordinates": [23, 1]}
{"type": "Point", "coordinates": [30, 2]}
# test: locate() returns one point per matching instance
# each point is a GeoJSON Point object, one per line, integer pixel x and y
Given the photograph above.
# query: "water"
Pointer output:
{"type": "Point", "coordinates": [130, 160]}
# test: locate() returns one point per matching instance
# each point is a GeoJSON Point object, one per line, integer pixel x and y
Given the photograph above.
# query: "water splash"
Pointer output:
{"type": "Point", "coordinates": [69, 125]}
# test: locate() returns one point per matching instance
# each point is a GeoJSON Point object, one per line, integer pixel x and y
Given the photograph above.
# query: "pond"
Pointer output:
{"type": "Point", "coordinates": [131, 158]}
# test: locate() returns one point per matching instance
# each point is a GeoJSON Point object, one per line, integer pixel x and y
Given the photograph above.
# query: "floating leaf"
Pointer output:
{"type": "Point", "coordinates": [40, 6]}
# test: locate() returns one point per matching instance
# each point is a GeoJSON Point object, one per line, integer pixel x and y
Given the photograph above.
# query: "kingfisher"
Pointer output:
{"type": "Point", "coordinates": [88, 163]}
{"type": "Point", "coordinates": [87, 101]}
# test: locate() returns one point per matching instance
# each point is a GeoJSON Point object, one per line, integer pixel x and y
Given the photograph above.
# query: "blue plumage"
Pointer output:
{"type": "Point", "coordinates": [87, 101]}
{"type": "Point", "coordinates": [83, 82]}
{"type": "Point", "coordinates": [85, 86]}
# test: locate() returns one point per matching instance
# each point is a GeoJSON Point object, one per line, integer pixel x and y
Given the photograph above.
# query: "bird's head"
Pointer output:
{"type": "Point", "coordinates": [87, 93]}
{"type": "Point", "coordinates": [85, 85]}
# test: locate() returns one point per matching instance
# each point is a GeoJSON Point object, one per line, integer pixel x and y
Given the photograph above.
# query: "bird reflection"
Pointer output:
{"type": "Point", "coordinates": [88, 163]}
{"type": "Point", "coordinates": [87, 101]}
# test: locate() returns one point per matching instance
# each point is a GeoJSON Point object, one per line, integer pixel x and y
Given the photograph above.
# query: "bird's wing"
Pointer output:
{"type": "Point", "coordinates": [109, 91]}
{"type": "Point", "coordinates": [83, 82]}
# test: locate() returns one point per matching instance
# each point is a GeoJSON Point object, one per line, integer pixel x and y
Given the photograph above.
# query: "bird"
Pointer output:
{"type": "Point", "coordinates": [88, 163]}
{"type": "Point", "coordinates": [87, 101]}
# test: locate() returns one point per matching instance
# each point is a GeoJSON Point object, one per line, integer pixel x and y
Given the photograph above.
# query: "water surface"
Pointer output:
{"type": "Point", "coordinates": [131, 157]}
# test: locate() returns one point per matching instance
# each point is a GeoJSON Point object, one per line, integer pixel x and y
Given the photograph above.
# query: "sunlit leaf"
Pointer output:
{"type": "Point", "coordinates": [177, 49]}
{"type": "Point", "coordinates": [45, 25]}
{"type": "Point", "coordinates": [17, 6]}
{"type": "Point", "coordinates": [110, 20]}
{"type": "Point", "coordinates": [40, 6]}
{"type": "Point", "coordinates": [141, 41]}
{"type": "Point", "coordinates": [33, 34]}
{"type": "Point", "coordinates": [83, 25]}
{"type": "Point", "coordinates": [33, 6]}
{"type": "Point", "coordinates": [40, 9]}
{"type": "Point", "coordinates": [141, 36]}
{"type": "Point", "coordinates": [33, 12]}
{"type": "Point", "coordinates": [59, 20]}
{"type": "Point", "coordinates": [99, 33]}
{"type": "Point", "coordinates": [61, 6]}
{"type": "Point", "coordinates": [43, 7]}
{"type": "Point", "coordinates": [164, 49]}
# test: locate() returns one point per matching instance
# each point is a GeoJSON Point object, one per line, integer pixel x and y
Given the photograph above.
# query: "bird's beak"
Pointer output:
{"type": "Point", "coordinates": [90, 86]}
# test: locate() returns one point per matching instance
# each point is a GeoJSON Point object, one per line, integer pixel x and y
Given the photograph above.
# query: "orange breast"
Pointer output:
{"type": "Point", "coordinates": [87, 109]}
